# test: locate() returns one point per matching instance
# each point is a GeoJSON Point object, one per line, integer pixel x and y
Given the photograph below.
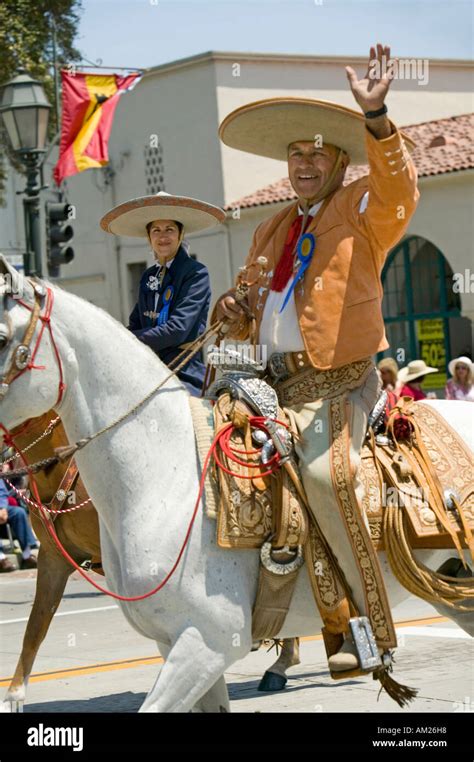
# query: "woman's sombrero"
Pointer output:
{"type": "Point", "coordinates": [267, 127]}
{"type": "Point", "coordinates": [415, 369]}
{"type": "Point", "coordinates": [132, 217]}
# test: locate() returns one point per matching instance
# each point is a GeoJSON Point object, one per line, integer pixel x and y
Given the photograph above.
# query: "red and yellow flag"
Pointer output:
{"type": "Point", "coordinates": [89, 102]}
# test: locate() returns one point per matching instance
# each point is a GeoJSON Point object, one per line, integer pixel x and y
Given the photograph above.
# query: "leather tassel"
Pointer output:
{"type": "Point", "coordinates": [63, 453]}
{"type": "Point", "coordinates": [402, 694]}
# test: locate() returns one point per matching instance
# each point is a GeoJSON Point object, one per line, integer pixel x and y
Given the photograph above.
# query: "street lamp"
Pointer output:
{"type": "Point", "coordinates": [25, 112]}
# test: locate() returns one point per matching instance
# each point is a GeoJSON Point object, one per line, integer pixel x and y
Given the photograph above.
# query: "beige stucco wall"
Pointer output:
{"type": "Point", "coordinates": [444, 216]}
{"type": "Point", "coordinates": [183, 103]}
{"type": "Point", "coordinates": [243, 78]}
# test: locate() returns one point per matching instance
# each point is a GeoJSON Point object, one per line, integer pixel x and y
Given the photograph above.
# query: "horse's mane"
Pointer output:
{"type": "Point", "coordinates": [105, 316]}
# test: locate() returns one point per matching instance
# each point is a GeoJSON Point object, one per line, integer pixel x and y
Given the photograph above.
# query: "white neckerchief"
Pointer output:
{"type": "Point", "coordinates": [281, 332]}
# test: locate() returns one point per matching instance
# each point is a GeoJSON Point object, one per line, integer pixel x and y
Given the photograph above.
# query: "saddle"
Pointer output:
{"type": "Point", "coordinates": [418, 489]}
{"type": "Point", "coordinates": [415, 461]}
{"type": "Point", "coordinates": [257, 497]}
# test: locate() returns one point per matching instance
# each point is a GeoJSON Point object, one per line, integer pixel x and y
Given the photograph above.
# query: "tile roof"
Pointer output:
{"type": "Point", "coordinates": [442, 145]}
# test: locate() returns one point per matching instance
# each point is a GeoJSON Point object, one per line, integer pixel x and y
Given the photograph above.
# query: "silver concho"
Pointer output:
{"type": "Point", "coordinates": [61, 495]}
{"type": "Point", "coordinates": [284, 568]}
{"type": "Point", "coordinates": [448, 495]}
{"type": "Point", "coordinates": [277, 366]}
{"type": "Point", "coordinates": [22, 356]}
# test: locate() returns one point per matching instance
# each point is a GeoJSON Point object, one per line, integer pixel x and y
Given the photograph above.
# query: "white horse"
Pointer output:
{"type": "Point", "coordinates": [143, 478]}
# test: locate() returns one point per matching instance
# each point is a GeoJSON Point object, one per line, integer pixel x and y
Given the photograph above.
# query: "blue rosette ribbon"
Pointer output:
{"type": "Point", "coordinates": [304, 252]}
{"type": "Point", "coordinates": [167, 296]}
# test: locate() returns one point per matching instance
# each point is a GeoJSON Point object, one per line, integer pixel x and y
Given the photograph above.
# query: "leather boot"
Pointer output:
{"type": "Point", "coordinates": [345, 659]}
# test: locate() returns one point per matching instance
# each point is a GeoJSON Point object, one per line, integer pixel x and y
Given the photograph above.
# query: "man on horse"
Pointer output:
{"type": "Point", "coordinates": [318, 305]}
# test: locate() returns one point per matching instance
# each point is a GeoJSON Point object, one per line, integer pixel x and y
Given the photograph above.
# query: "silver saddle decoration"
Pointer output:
{"type": "Point", "coordinates": [366, 646]}
{"type": "Point", "coordinates": [376, 419]}
{"type": "Point", "coordinates": [240, 377]}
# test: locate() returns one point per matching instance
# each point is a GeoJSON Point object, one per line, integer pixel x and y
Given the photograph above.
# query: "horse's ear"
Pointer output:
{"type": "Point", "coordinates": [4, 266]}
{"type": "Point", "coordinates": [12, 282]}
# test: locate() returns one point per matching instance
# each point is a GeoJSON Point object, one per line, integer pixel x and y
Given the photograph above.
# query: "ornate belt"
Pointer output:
{"type": "Point", "coordinates": [311, 383]}
{"type": "Point", "coordinates": [281, 365]}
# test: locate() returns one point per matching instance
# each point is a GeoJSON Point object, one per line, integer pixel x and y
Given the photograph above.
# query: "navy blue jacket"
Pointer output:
{"type": "Point", "coordinates": [187, 317]}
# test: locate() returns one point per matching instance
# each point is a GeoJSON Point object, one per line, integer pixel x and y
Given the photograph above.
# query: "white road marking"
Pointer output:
{"type": "Point", "coordinates": [435, 632]}
{"type": "Point", "coordinates": [64, 613]}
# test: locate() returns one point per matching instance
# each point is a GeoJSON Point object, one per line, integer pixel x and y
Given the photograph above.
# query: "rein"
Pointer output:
{"type": "Point", "coordinates": [64, 452]}
{"type": "Point", "coordinates": [221, 439]}
{"type": "Point", "coordinates": [23, 360]}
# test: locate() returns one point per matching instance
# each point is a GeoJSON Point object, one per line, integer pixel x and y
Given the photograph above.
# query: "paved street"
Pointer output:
{"type": "Point", "coordinates": [93, 661]}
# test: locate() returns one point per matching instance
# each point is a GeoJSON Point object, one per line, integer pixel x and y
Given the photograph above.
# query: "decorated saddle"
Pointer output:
{"type": "Point", "coordinates": [416, 470]}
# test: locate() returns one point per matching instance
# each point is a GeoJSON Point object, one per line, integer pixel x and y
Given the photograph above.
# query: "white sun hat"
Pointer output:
{"type": "Point", "coordinates": [460, 361]}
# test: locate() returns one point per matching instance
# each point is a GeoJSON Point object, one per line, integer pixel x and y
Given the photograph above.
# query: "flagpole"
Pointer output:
{"type": "Point", "coordinates": [56, 77]}
{"type": "Point", "coordinates": [108, 68]}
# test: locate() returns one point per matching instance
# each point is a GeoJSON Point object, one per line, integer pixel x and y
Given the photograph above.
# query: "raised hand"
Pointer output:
{"type": "Point", "coordinates": [371, 90]}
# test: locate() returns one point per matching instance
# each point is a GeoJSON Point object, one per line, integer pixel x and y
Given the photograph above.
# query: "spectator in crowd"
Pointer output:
{"type": "Point", "coordinates": [460, 386]}
{"type": "Point", "coordinates": [411, 378]}
{"type": "Point", "coordinates": [12, 512]}
{"type": "Point", "coordinates": [388, 369]}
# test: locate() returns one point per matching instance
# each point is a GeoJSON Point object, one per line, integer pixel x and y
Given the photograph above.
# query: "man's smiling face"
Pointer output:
{"type": "Point", "coordinates": [309, 167]}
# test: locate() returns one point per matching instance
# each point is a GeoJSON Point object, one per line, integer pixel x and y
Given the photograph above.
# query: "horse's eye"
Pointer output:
{"type": "Point", "coordinates": [3, 342]}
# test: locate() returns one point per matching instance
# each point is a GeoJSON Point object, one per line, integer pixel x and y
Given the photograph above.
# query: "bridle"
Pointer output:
{"type": "Point", "coordinates": [23, 360]}
{"type": "Point", "coordinates": [23, 356]}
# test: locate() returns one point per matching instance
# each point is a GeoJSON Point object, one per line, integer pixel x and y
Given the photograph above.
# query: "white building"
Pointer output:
{"type": "Point", "coordinates": [165, 138]}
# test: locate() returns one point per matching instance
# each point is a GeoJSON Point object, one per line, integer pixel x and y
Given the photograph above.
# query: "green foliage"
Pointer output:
{"type": "Point", "coordinates": [26, 39]}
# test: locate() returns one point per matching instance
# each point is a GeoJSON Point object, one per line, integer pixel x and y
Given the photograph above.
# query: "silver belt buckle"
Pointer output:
{"type": "Point", "coordinates": [277, 366]}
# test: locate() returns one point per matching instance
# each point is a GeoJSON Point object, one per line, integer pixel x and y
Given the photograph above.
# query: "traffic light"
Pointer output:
{"type": "Point", "coordinates": [57, 235]}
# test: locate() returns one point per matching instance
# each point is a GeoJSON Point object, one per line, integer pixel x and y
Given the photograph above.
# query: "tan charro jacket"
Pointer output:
{"type": "Point", "coordinates": [339, 301]}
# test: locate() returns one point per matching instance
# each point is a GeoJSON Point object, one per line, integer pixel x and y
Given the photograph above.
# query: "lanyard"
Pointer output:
{"type": "Point", "coordinates": [161, 276]}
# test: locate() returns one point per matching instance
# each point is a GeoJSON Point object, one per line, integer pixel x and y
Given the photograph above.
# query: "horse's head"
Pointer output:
{"type": "Point", "coordinates": [29, 368]}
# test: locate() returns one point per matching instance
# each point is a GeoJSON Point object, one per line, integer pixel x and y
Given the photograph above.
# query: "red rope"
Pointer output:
{"type": "Point", "coordinates": [66, 555]}
{"type": "Point", "coordinates": [256, 421]}
{"type": "Point", "coordinates": [223, 440]}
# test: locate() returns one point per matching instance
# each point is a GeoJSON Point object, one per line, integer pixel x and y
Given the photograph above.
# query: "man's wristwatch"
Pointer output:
{"type": "Point", "coordinates": [379, 112]}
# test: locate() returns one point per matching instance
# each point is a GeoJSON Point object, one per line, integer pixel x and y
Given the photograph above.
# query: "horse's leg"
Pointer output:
{"type": "Point", "coordinates": [53, 573]}
{"type": "Point", "coordinates": [275, 677]}
{"type": "Point", "coordinates": [191, 671]}
{"type": "Point", "coordinates": [216, 700]}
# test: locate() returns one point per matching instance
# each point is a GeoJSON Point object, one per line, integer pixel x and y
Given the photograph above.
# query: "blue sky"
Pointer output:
{"type": "Point", "coordinates": [142, 33]}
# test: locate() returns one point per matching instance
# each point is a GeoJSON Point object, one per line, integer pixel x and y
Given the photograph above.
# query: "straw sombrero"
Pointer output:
{"type": "Point", "coordinates": [415, 369]}
{"type": "Point", "coordinates": [132, 217]}
{"type": "Point", "coordinates": [267, 127]}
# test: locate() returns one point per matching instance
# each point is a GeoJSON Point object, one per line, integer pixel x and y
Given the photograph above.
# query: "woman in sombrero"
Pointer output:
{"type": "Point", "coordinates": [411, 378]}
{"type": "Point", "coordinates": [174, 293]}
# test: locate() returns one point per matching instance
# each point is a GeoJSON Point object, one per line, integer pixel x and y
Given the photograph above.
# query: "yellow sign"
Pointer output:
{"type": "Point", "coordinates": [432, 350]}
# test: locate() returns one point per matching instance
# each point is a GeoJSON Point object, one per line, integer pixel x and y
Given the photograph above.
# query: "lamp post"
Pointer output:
{"type": "Point", "coordinates": [25, 112]}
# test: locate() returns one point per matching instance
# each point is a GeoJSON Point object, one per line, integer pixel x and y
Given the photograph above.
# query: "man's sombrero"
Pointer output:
{"type": "Point", "coordinates": [132, 217]}
{"type": "Point", "coordinates": [267, 127]}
